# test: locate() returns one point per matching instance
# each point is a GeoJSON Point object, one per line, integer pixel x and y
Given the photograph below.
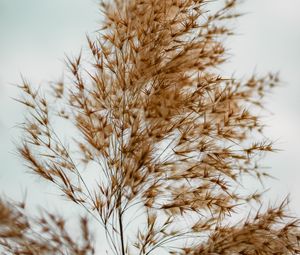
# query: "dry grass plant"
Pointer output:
{"type": "Point", "coordinates": [166, 133]}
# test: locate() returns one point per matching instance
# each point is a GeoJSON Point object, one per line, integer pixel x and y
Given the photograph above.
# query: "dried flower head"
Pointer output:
{"type": "Point", "coordinates": [161, 132]}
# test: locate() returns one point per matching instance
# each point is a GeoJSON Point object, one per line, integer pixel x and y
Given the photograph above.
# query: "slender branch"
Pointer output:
{"type": "Point", "coordinates": [121, 227]}
{"type": "Point", "coordinates": [119, 203]}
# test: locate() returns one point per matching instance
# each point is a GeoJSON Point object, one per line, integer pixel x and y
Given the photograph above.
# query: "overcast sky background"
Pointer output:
{"type": "Point", "coordinates": [35, 35]}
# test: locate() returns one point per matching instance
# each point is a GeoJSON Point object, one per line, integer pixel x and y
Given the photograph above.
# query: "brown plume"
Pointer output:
{"type": "Point", "coordinates": [161, 132]}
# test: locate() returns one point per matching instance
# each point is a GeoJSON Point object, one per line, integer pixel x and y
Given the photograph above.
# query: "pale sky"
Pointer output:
{"type": "Point", "coordinates": [35, 35]}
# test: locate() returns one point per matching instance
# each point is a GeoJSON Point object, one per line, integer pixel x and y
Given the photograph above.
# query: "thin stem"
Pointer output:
{"type": "Point", "coordinates": [121, 229]}
{"type": "Point", "coordinates": [122, 172]}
